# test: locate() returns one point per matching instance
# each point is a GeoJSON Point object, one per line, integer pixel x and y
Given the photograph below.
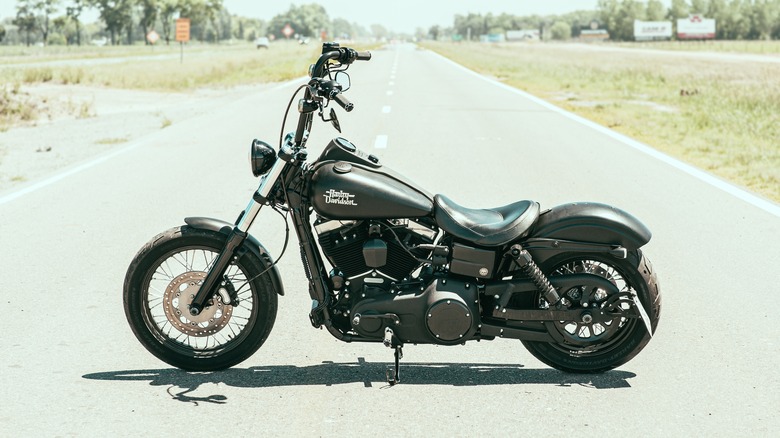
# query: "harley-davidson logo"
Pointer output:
{"type": "Point", "coordinates": [339, 197]}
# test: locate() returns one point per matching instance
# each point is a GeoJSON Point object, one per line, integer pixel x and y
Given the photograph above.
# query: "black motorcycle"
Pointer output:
{"type": "Point", "coordinates": [406, 266]}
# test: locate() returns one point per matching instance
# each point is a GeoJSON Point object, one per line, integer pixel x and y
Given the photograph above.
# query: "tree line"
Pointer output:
{"type": "Point", "coordinates": [129, 21]}
{"type": "Point", "coordinates": [735, 19]}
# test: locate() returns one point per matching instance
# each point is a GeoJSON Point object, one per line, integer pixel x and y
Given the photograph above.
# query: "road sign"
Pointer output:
{"type": "Point", "coordinates": [287, 31]}
{"type": "Point", "coordinates": [152, 37]}
{"type": "Point", "coordinates": [183, 30]}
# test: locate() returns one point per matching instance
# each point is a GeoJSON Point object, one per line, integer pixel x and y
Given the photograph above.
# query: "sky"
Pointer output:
{"type": "Point", "coordinates": [408, 15]}
{"type": "Point", "coordinates": [395, 15]}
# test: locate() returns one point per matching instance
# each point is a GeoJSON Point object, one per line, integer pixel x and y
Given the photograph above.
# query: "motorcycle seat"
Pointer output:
{"type": "Point", "coordinates": [485, 227]}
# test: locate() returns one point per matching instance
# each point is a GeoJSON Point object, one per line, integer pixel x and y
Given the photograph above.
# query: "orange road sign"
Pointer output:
{"type": "Point", "coordinates": [183, 30]}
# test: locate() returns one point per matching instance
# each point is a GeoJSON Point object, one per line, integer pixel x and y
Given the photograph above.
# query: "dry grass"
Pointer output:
{"type": "Point", "coordinates": [718, 115]}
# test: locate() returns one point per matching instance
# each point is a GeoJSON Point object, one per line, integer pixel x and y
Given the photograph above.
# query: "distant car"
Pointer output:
{"type": "Point", "coordinates": [262, 43]}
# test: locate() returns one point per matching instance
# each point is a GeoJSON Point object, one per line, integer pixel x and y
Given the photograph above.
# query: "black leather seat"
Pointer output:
{"type": "Point", "coordinates": [485, 227]}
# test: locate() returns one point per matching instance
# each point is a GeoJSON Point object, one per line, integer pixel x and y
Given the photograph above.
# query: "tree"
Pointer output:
{"type": "Point", "coordinates": [74, 12]}
{"type": "Point", "coordinates": [608, 11]}
{"type": "Point", "coordinates": [116, 14]}
{"type": "Point", "coordinates": [678, 9]}
{"type": "Point", "coordinates": [560, 31]}
{"type": "Point", "coordinates": [434, 32]}
{"type": "Point", "coordinates": [379, 31]}
{"type": "Point", "coordinates": [699, 6]}
{"type": "Point", "coordinates": [765, 16]}
{"type": "Point", "coordinates": [655, 10]}
{"type": "Point", "coordinates": [149, 10]}
{"type": "Point", "coordinates": [2, 33]}
{"type": "Point", "coordinates": [342, 28]}
{"type": "Point", "coordinates": [306, 20]}
{"type": "Point", "coordinates": [46, 8]}
{"type": "Point", "coordinates": [25, 18]}
{"type": "Point", "coordinates": [628, 11]}
{"type": "Point", "coordinates": [168, 9]}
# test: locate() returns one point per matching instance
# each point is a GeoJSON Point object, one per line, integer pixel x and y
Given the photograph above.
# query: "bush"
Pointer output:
{"type": "Point", "coordinates": [560, 31]}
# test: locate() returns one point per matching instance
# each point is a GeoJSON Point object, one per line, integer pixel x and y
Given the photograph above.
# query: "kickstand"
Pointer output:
{"type": "Point", "coordinates": [394, 375]}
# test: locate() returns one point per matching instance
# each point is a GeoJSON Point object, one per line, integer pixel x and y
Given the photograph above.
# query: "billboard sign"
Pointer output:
{"type": "Point", "coordinates": [652, 30]}
{"type": "Point", "coordinates": [696, 27]}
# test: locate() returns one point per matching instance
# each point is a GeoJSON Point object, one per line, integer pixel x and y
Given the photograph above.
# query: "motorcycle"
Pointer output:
{"type": "Point", "coordinates": [406, 266]}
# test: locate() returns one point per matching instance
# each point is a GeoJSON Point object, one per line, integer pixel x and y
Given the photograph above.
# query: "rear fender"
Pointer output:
{"type": "Point", "coordinates": [250, 245]}
{"type": "Point", "coordinates": [590, 223]}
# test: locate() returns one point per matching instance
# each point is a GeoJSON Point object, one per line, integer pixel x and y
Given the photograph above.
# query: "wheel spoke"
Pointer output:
{"type": "Point", "coordinates": [177, 277]}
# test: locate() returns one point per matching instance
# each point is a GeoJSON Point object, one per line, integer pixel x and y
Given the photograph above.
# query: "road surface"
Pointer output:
{"type": "Point", "coordinates": [71, 367]}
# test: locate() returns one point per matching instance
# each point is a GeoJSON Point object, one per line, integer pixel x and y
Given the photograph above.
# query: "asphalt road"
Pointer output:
{"type": "Point", "coordinates": [70, 365]}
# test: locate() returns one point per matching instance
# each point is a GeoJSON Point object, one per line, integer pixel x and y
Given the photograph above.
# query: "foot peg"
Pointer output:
{"type": "Point", "coordinates": [393, 375]}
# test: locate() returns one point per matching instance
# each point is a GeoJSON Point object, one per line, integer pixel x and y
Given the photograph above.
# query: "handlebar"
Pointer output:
{"type": "Point", "coordinates": [344, 102]}
{"type": "Point", "coordinates": [344, 55]}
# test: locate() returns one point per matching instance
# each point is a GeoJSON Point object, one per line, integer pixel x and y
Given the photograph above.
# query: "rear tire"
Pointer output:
{"type": "Point", "coordinates": [158, 287]}
{"type": "Point", "coordinates": [589, 350]}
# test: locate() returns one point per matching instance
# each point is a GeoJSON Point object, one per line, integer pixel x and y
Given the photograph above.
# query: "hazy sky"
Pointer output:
{"type": "Point", "coordinates": [408, 15]}
{"type": "Point", "coordinates": [397, 15]}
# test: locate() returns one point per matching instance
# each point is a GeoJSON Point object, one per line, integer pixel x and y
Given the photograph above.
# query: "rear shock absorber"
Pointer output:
{"type": "Point", "coordinates": [526, 262]}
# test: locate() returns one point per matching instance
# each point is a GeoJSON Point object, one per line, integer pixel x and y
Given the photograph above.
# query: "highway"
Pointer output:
{"type": "Point", "coordinates": [70, 365]}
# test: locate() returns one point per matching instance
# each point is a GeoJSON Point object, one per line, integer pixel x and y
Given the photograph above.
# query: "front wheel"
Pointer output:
{"type": "Point", "coordinates": [598, 347]}
{"type": "Point", "coordinates": [161, 282]}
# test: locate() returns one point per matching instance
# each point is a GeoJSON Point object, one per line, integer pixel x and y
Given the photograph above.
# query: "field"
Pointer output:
{"type": "Point", "coordinates": [158, 68]}
{"type": "Point", "coordinates": [718, 114]}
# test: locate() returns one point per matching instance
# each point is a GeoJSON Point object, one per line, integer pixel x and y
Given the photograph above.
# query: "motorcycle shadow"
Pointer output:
{"type": "Point", "coordinates": [369, 374]}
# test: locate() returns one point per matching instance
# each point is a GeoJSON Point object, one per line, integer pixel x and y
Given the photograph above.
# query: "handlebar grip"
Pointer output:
{"type": "Point", "coordinates": [363, 56]}
{"type": "Point", "coordinates": [344, 102]}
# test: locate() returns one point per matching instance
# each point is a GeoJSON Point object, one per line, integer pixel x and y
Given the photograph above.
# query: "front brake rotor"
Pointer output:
{"type": "Point", "coordinates": [176, 303]}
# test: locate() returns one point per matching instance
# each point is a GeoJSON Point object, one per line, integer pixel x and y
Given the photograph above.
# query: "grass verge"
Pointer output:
{"type": "Point", "coordinates": [718, 115]}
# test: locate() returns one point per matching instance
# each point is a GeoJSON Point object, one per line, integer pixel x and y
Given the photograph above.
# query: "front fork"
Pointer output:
{"type": "Point", "coordinates": [239, 233]}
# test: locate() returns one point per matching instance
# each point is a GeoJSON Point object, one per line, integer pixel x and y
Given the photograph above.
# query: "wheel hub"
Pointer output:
{"type": "Point", "coordinates": [176, 303]}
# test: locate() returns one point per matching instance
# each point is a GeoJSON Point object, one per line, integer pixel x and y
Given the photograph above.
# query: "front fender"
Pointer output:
{"type": "Point", "coordinates": [250, 244]}
{"type": "Point", "coordinates": [593, 223]}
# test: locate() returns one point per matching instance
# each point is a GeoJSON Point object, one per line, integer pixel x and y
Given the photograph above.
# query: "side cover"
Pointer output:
{"type": "Point", "coordinates": [250, 244]}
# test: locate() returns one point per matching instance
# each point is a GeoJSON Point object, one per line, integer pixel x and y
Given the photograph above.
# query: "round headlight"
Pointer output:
{"type": "Point", "coordinates": [261, 157]}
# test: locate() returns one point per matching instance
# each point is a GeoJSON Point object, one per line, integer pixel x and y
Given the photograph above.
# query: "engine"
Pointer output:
{"type": "Point", "coordinates": [373, 253]}
{"type": "Point", "coordinates": [380, 279]}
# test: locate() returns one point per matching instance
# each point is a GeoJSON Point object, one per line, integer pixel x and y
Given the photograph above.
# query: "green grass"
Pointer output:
{"type": "Point", "coordinates": [720, 116]}
{"type": "Point", "coordinates": [202, 66]}
{"type": "Point", "coordinates": [752, 46]}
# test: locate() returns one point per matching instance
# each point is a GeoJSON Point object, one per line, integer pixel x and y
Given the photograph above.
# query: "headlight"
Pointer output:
{"type": "Point", "coordinates": [261, 157]}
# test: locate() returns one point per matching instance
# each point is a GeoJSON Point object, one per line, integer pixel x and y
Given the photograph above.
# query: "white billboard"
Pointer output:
{"type": "Point", "coordinates": [695, 27]}
{"type": "Point", "coordinates": [652, 30]}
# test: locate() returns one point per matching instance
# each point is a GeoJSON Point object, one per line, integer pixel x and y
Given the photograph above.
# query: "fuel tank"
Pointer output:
{"type": "Point", "coordinates": [346, 183]}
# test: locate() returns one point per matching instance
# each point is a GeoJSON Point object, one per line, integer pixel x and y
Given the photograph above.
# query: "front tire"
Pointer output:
{"type": "Point", "coordinates": [160, 283]}
{"type": "Point", "coordinates": [597, 348]}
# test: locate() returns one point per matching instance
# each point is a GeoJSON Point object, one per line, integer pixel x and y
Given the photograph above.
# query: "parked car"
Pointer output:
{"type": "Point", "coordinates": [262, 43]}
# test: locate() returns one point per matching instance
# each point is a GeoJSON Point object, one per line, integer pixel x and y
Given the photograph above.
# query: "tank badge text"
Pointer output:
{"type": "Point", "coordinates": [339, 197]}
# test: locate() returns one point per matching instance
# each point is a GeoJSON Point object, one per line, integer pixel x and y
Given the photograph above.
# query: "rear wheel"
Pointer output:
{"type": "Point", "coordinates": [600, 346]}
{"type": "Point", "coordinates": [160, 284]}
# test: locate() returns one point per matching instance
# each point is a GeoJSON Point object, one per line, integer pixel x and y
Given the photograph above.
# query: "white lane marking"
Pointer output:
{"type": "Point", "coordinates": [392, 83]}
{"type": "Point", "coordinates": [389, 92]}
{"type": "Point", "coordinates": [750, 198]}
{"type": "Point", "coordinates": [15, 194]}
{"type": "Point", "coordinates": [386, 109]}
{"type": "Point", "coordinates": [380, 142]}
{"type": "Point", "coordinates": [64, 174]}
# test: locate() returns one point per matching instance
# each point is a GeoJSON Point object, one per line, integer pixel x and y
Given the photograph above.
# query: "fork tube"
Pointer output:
{"type": "Point", "coordinates": [236, 237]}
